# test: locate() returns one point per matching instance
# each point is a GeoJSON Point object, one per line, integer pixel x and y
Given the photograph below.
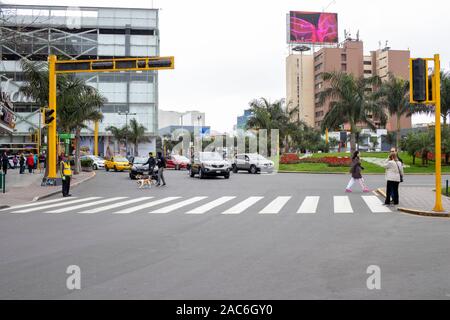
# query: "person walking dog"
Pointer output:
{"type": "Point", "coordinates": [161, 163]}
{"type": "Point", "coordinates": [355, 171]}
{"type": "Point", "coordinates": [394, 176]}
{"type": "Point", "coordinates": [66, 174]}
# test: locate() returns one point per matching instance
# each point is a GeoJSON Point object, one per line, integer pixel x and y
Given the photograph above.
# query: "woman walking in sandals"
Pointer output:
{"type": "Point", "coordinates": [355, 171]}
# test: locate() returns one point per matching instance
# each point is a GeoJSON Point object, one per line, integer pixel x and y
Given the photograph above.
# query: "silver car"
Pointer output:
{"type": "Point", "coordinates": [253, 163]}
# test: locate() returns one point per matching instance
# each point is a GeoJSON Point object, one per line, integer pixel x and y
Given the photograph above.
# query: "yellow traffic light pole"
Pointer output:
{"type": "Point", "coordinates": [437, 94]}
{"type": "Point", "coordinates": [51, 146]}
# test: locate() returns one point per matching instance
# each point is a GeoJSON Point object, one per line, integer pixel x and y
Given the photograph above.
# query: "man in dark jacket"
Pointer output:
{"type": "Point", "coordinates": [5, 162]}
{"type": "Point", "coordinates": [151, 163]}
{"type": "Point", "coordinates": [161, 162]}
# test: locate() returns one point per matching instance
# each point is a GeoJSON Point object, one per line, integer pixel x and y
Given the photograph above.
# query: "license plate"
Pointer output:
{"type": "Point", "coordinates": [218, 171]}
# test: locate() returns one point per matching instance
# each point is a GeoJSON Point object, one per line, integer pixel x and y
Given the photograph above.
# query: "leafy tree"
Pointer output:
{"type": "Point", "coordinates": [445, 96]}
{"type": "Point", "coordinates": [350, 103]}
{"type": "Point", "coordinates": [136, 133]}
{"type": "Point", "coordinates": [119, 134]}
{"type": "Point", "coordinates": [411, 145]}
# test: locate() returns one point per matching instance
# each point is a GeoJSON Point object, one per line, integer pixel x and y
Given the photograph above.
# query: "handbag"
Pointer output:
{"type": "Point", "coordinates": [401, 176]}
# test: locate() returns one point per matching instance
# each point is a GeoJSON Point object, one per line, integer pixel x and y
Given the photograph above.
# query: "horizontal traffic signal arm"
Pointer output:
{"type": "Point", "coordinates": [111, 65]}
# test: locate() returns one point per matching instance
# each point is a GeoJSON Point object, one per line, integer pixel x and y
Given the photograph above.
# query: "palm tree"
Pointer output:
{"type": "Point", "coordinates": [350, 103]}
{"type": "Point", "coordinates": [394, 96]}
{"type": "Point", "coordinates": [136, 133]}
{"type": "Point", "coordinates": [119, 134]}
{"type": "Point", "coordinates": [445, 96]}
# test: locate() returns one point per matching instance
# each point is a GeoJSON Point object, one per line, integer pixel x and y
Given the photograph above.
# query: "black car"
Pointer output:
{"type": "Point", "coordinates": [138, 167]}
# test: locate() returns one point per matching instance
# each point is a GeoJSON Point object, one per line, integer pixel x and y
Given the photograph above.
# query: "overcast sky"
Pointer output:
{"type": "Point", "coordinates": [230, 52]}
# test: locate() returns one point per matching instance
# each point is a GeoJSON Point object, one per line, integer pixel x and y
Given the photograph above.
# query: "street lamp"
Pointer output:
{"type": "Point", "coordinates": [301, 49]}
{"type": "Point", "coordinates": [126, 113]}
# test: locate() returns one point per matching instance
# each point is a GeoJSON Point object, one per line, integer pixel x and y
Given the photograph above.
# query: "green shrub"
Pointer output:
{"type": "Point", "coordinates": [87, 163]}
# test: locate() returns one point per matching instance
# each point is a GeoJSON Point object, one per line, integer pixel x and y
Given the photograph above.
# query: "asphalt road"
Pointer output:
{"type": "Point", "coordinates": [284, 236]}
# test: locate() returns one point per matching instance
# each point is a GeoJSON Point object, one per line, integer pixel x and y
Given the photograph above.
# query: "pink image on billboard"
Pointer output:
{"type": "Point", "coordinates": [313, 27]}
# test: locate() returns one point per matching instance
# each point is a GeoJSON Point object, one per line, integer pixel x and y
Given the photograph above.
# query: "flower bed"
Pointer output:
{"type": "Point", "coordinates": [289, 158]}
{"type": "Point", "coordinates": [330, 161]}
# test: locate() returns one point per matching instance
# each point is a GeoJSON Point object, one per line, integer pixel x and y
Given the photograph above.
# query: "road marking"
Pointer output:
{"type": "Point", "coordinates": [342, 204]}
{"type": "Point", "coordinates": [309, 205]}
{"type": "Point", "coordinates": [85, 205]}
{"type": "Point", "coordinates": [115, 205]}
{"type": "Point", "coordinates": [179, 205]}
{"type": "Point", "coordinates": [65, 203]}
{"type": "Point", "coordinates": [240, 207]}
{"type": "Point", "coordinates": [146, 205]}
{"type": "Point", "coordinates": [210, 205]}
{"type": "Point", "coordinates": [275, 206]}
{"type": "Point", "coordinates": [375, 205]}
{"type": "Point", "coordinates": [37, 203]}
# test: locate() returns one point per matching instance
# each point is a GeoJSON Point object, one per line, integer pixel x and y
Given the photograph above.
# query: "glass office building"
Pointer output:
{"type": "Point", "coordinates": [34, 32]}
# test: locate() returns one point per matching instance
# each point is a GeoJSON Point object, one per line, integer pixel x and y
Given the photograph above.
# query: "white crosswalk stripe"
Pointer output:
{"type": "Point", "coordinates": [375, 205]}
{"type": "Point", "coordinates": [116, 205]}
{"type": "Point", "coordinates": [37, 203]}
{"type": "Point", "coordinates": [179, 205]}
{"type": "Point", "coordinates": [242, 206]}
{"type": "Point", "coordinates": [85, 205]}
{"type": "Point", "coordinates": [309, 205]}
{"type": "Point", "coordinates": [210, 205]}
{"type": "Point", "coordinates": [146, 205]}
{"type": "Point", "coordinates": [342, 204]}
{"type": "Point", "coordinates": [275, 206]}
{"type": "Point", "coordinates": [60, 204]}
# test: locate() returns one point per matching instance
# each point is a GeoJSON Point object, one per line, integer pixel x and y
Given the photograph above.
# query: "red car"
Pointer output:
{"type": "Point", "coordinates": [177, 162]}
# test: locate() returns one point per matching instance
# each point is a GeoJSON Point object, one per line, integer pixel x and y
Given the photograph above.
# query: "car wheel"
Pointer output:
{"type": "Point", "coordinates": [201, 174]}
{"type": "Point", "coordinates": [235, 169]}
{"type": "Point", "coordinates": [253, 169]}
{"type": "Point", "coordinates": [191, 173]}
{"type": "Point", "coordinates": [106, 168]}
{"type": "Point", "coordinates": [177, 167]}
{"type": "Point", "coordinates": [115, 169]}
{"type": "Point", "coordinates": [227, 176]}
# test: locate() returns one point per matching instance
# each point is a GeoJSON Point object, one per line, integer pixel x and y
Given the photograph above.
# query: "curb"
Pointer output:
{"type": "Point", "coordinates": [416, 212]}
{"type": "Point", "coordinates": [59, 191]}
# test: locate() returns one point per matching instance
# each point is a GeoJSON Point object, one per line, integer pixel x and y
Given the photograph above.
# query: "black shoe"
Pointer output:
{"type": "Point", "coordinates": [164, 184]}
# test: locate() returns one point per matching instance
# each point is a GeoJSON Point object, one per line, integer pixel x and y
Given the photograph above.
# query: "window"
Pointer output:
{"type": "Point", "coordinates": [344, 57]}
{"type": "Point", "coordinates": [343, 67]}
{"type": "Point", "coordinates": [367, 71]}
{"type": "Point", "coordinates": [368, 63]}
{"type": "Point", "coordinates": [318, 66]}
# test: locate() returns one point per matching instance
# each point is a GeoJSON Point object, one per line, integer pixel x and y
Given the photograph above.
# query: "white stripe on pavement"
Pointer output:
{"type": "Point", "coordinates": [65, 203]}
{"type": "Point", "coordinates": [179, 205]}
{"type": "Point", "coordinates": [37, 203]}
{"type": "Point", "coordinates": [375, 205]}
{"type": "Point", "coordinates": [85, 205]}
{"type": "Point", "coordinates": [210, 205]}
{"type": "Point", "coordinates": [342, 204]}
{"type": "Point", "coordinates": [116, 205]}
{"type": "Point", "coordinates": [240, 207]}
{"type": "Point", "coordinates": [275, 206]}
{"type": "Point", "coordinates": [309, 205]}
{"type": "Point", "coordinates": [146, 205]}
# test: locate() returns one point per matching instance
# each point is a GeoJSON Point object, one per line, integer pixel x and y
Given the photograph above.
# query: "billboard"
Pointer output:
{"type": "Point", "coordinates": [313, 27]}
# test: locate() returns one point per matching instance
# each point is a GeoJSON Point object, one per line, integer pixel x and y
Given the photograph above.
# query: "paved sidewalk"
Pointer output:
{"type": "Point", "coordinates": [420, 201]}
{"type": "Point", "coordinates": [21, 188]}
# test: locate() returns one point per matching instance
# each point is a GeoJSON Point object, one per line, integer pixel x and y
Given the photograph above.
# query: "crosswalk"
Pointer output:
{"type": "Point", "coordinates": [201, 205]}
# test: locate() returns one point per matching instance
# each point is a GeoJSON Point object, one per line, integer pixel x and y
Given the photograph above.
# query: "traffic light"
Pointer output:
{"type": "Point", "coordinates": [48, 116]}
{"type": "Point", "coordinates": [419, 80]}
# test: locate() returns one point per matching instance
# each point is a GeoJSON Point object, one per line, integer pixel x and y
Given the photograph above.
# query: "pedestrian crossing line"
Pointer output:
{"type": "Point", "coordinates": [146, 205]}
{"type": "Point", "coordinates": [85, 205]}
{"type": "Point", "coordinates": [115, 205]}
{"type": "Point", "coordinates": [342, 204]}
{"type": "Point", "coordinates": [242, 206]}
{"type": "Point", "coordinates": [375, 205]}
{"type": "Point", "coordinates": [178, 205]}
{"type": "Point", "coordinates": [210, 205]}
{"type": "Point", "coordinates": [36, 203]}
{"type": "Point", "coordinates": [275, 206]}
{"type": "Point", "coordinates": [50, 206]}
{"type": "Point", "coordinates": [309, 205]}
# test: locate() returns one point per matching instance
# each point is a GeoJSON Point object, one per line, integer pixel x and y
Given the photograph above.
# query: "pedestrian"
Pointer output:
{"type": "Point", "coordinates": [15, 161]}
{"type": "Point", "coordinates": [394, 175]}
{"type": "Point", "coordinates": [41, 162]}
{"type": "Point", "coordinates": [36, 161]}
{"type": "Point", "coordinates": [355, 171]}
{"type": "Point", "coordinates": [151, 163]}
{"type": "Point", "coordinates": [30, 163]}
{"type": "Point", "coordinates": [66, 174]}
{"type": "Point", "coordinates": [22, 163]}
{"type": "Point", "coordinates": [4, 162]}
{"type": "Point", "coordinates": [161, 163]}
{"type": "Point", "coordinates": [395, 150]}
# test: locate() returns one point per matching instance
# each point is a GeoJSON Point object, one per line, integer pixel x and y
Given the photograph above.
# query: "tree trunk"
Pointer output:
{"type": "Point", "coordinates": [414, 160]}
{"type": "Point", "coordinates": [398, 132]}
{"type": "Point", "coordinates": [352, 139]}
{"type": "Point", "coordinates": [77, 167]}
{"type": "Point", "coordinates": [136, 153]}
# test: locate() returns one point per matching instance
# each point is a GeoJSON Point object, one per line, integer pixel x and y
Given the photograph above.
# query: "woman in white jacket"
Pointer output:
{"type": "Point", "coordinates": [394, 175]}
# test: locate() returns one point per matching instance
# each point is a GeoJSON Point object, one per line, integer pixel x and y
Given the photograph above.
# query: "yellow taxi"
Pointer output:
{"type": "Point", "coordinates": [117, 163]}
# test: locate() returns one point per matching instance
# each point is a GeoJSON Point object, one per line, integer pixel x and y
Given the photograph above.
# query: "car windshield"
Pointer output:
{"type": "Point", "coordinates": [140, 160]}
{"type": "Point", "coordinates": [256, 157]}
{"type": "Point", "coordinates": [210, 156]}
{"type": "Point", "coordinates": [120, 159]}
{"type": "Point", "coordinates": [180, 158]}
{"type": "Point", "coordinates": [97, 158]}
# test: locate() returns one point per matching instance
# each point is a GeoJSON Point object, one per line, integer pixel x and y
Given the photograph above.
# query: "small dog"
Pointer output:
{"type": "Point", "coordinates": [144, 181]}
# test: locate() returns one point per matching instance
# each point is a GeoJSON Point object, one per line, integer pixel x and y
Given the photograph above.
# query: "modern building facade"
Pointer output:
{"type": "Point", "coordinates": [241, 121]}
{"type": "Point", "coordinates": [169, 121]}
{"type": "Point", "coordinates": [304, 72]}
{"type": "Point", "coordinates": [33, 32]}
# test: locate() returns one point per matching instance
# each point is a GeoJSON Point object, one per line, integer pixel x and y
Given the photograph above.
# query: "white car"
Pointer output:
{"type": "Point", "coordinates": [99, 163]}
{"type": "Point", "coordinates": [253, 163]}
